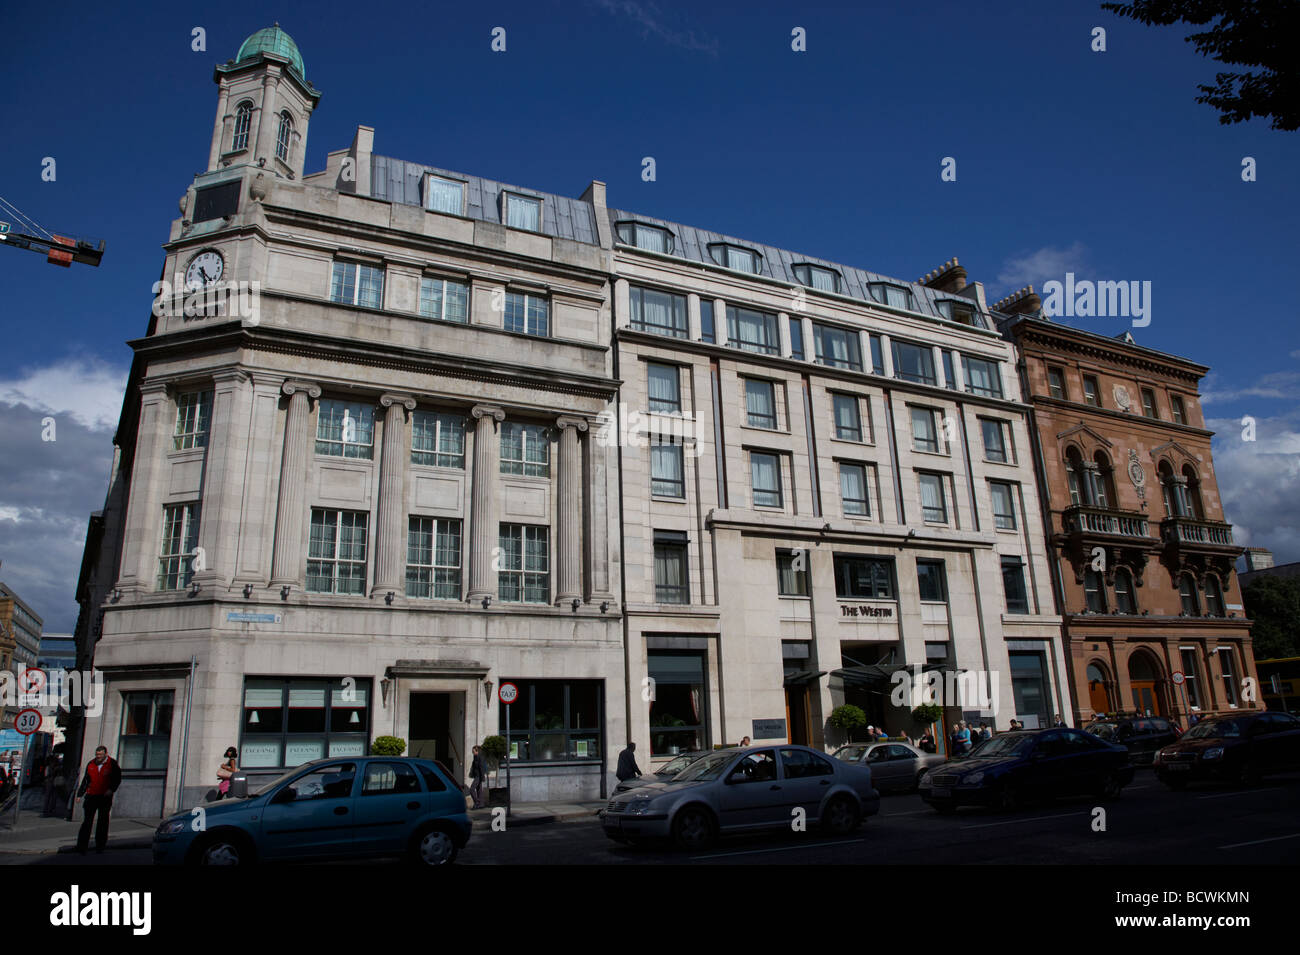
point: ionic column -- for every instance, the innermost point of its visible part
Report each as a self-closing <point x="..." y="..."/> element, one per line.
<point x="223" y="476"/>
<point x="267" y="128"/>
<point x="569" y="525"/>
<point x="390" y="535"/>
<point x="482" y="577"/>
<point x="144" y="506"/>
<point x="287" y="561"/>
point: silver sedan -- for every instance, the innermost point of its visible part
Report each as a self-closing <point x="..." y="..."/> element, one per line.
<point x="895" y="767"/>
<point x="743" y="790"/>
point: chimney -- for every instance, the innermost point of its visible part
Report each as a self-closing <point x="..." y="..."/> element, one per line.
<point x="595" y="196"/>
<point x="1023" y="302"/>
<point x="356" y="177"/>
<point x="1258" y="558"/>
<point x="949" y="277"/>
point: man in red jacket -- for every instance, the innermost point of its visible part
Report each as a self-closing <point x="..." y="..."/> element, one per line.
<point x="102" y="778"/>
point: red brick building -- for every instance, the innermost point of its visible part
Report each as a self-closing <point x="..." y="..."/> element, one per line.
<point x="1142" y="556"/>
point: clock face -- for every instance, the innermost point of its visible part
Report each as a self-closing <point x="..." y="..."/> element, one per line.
<point x="205" y="269"/>
<point x="1122" y="399"/>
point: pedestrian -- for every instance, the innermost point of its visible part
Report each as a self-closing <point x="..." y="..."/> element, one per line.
<point x="227" y="769"/>
<point x="1058" y="722"/>
<point x="53" y="783"/>
<point x="926" y="743"/>
<point x="963" y="737"/>
<point x="744" y="741"/>
<point x="986" y="731"/>
<point x="627" y="767"/>
<point x="102" y="778"/>
<point x="476" y="773"/>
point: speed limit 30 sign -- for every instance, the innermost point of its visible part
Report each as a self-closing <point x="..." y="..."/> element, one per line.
<point x="27" y="721"/>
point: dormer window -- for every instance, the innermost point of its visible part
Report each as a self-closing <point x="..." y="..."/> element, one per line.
<point x="895" y="296"/>
<point x="817" y="277"/>
<point x="523" y="212"/>
<point x="963" y="313"/>
<point x="648" y="237"/>
<point x="444" y="195"/>
<point x="243" y="119"/>
<point x="736" y="257"/>
<point x="282" y="139"/>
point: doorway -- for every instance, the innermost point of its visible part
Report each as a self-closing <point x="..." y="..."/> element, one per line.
<point x="1143" y="677"/>
<point x="797" y="714"/>
<point x="436" y="729"/>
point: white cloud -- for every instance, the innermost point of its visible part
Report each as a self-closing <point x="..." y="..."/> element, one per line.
<point x="1275" y="384"/>
<point x="87" y="390"/>
<point x="1035" y="268"/>
<point x="1259" y="482"/>
<point x="651" y="21"/>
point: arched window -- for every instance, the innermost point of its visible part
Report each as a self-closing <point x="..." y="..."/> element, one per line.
<point x="1094" y="591"/>
<point x="1080" y="486"/>
<point x="1098" y="691"/>
<point x="1213" y="596"/>
<point x="1192" y="494"/>
<point x="243" y="119"/>
<point x="1124" y="602"/>
<point x="285" y="134"/>
<point x="1187" y="593"/>
<point x="1104" y="478"/>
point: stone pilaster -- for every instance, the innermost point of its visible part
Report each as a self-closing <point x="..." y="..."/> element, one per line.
<point x="390" y="535"/>
<point x="569" y="523"/>
<point x="483" y="514"/>
<point x="287" y="560"/>
<point x="595" y="514"/>
<point x="143" y="532"/>
<point x="223" y="476"/>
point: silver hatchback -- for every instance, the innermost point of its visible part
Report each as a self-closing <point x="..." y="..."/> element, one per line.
<point x="895" y="767"/>
<point x="743" y="790"/>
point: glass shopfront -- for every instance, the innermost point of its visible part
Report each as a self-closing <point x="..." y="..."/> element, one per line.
<point x="288" y="722"/>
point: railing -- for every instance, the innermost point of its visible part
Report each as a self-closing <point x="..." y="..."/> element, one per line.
<point x="1101" y="520"/>
<point x="1190" y="531"/>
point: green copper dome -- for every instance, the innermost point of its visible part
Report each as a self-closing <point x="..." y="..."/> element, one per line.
<point x="275" y="41"/>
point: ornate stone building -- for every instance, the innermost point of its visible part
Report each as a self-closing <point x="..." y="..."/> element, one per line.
<point x="360" y="491"/>
<point x="1143" y="557"/>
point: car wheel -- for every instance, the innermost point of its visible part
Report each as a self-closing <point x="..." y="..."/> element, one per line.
<point x="842" y="816"/>
<point x="693" y="828"/>
<point x="434" y="847"/>
<point x="222" y="849"/>
<point x="916" y="783"/>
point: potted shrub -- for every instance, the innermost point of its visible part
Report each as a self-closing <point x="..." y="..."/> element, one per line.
<point x="846" y="718"/>
<point x="388" y="746"/>
<point x="495" y="750"/>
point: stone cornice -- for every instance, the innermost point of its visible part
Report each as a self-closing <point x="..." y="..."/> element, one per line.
<point x="1061" y="338"/>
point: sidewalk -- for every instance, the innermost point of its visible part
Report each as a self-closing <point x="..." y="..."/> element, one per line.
<point x="539" y="813"/>
<point x="36" y="834"/>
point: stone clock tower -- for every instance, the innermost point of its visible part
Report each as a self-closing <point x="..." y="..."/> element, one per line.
<point x="264" y="106"/>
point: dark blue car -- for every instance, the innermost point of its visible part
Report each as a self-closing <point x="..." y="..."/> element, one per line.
<point x="327" y="809"/>
<point x="1027" y="766"/>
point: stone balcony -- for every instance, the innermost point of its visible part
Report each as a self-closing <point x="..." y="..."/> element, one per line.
<point x="1086" y="522"/>
<point x="1189" y="534"/>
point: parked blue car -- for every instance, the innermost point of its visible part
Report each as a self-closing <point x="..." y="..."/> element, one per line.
<point x="327" y="809"/>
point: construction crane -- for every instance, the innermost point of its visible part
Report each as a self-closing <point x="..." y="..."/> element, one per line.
<point x="58" y="249"/>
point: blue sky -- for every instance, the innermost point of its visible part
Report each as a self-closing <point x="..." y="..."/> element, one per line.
<point x="1067" y="159"/>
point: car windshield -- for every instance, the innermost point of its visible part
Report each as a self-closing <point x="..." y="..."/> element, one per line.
<point x="1008" y="745"/>
<point x="1104" y="730"/>
<point x="675" y="766"/>
<point x="706" y="769"/>
<point x="850" y="754"/>
<point x="262" y="790"/>
<point x="1213" y="729"/>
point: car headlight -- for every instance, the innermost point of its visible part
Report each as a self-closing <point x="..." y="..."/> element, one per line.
<point x="1214" y="752"/>
<point x="927" y="779"/>
<point x="638" y="807"/>
<point x="171" y="827"/>
<point x="972" y="779"/>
